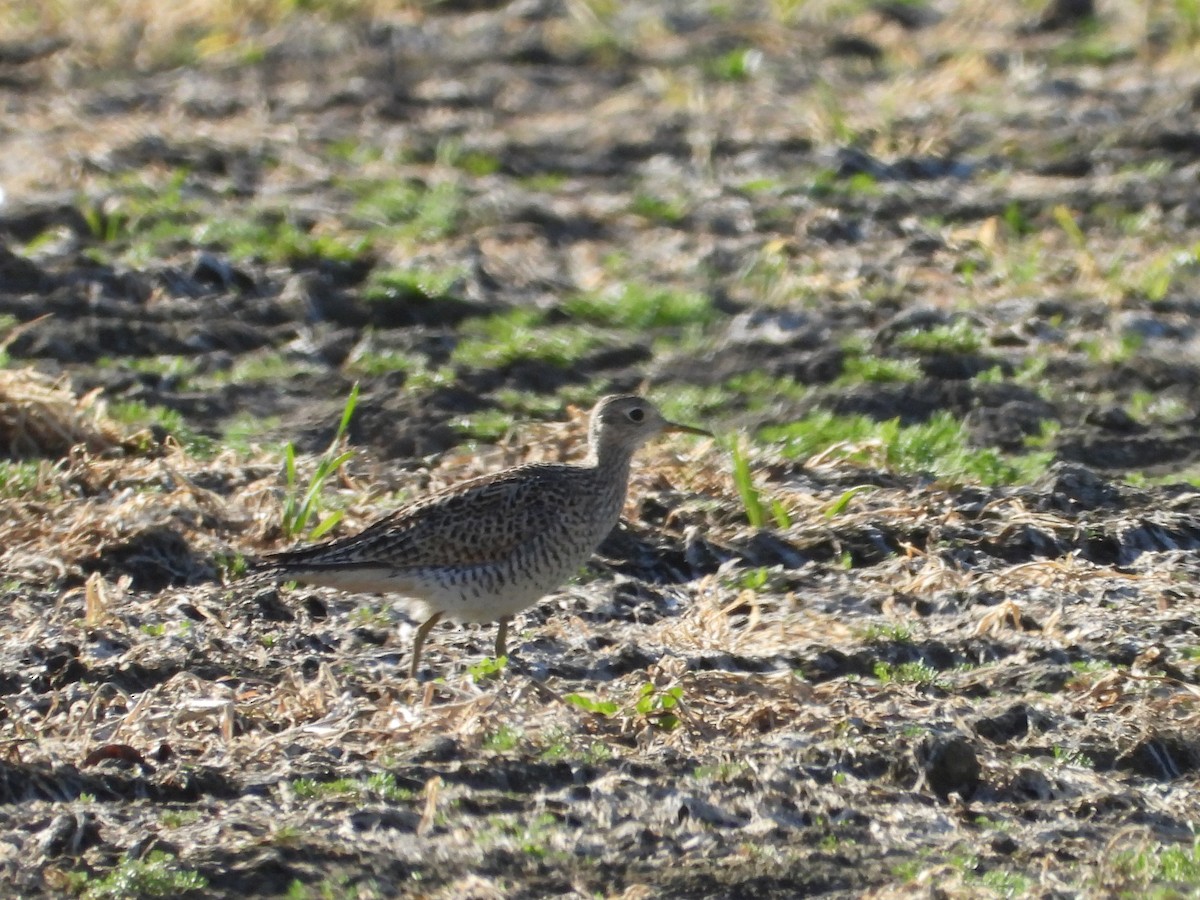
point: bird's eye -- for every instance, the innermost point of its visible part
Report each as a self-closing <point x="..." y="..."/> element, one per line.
<point x="637" y="414"/>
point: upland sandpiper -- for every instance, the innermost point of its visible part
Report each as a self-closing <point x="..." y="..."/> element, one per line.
<point x="484" y="550"/>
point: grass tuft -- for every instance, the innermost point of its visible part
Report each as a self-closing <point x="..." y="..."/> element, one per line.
<point x="939" y="448"/>
<point x="154" y="876"/>
<point x="639" y="306"/>
<point x="302" y="505"/>
<point x="521" y="334"/>
<point x="168" y="421"/>
<point x="959" y="337"/>
<point x="748" y="491"/>
<point x="919" y="673"/>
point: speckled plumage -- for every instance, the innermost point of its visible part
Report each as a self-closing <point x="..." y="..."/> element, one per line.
<point x="486" y="549"/>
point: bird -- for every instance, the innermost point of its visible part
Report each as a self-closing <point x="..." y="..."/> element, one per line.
<point x="487" y="548"/>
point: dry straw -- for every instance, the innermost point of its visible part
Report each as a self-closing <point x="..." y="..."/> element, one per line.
<point x="43" y="417"/>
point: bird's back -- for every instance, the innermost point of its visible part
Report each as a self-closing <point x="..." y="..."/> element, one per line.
<point x="481" y="522"/>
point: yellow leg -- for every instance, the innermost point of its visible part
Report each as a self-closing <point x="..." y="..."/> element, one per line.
<point x="422" y="633"/>
<point x="502" y="637"/>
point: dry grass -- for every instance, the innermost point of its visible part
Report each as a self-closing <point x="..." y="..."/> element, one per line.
<point x="41" y="417"/>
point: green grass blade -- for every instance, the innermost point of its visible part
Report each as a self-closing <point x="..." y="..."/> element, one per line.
<point x="325" y="525"/>
<point x="779" y="512"/>
<point x="289" y="464"/>
<point x="300" y="508"/>
<point x="347" y="412"/>
<point x="840" y="505"/>
<point x="744" y="481"/>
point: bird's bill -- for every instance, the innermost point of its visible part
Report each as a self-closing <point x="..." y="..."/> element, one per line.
<point x="686" y="429"/>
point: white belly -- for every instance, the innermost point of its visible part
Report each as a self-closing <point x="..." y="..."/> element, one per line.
<point x="482" y="593"/>
<point x="486" y="593"/>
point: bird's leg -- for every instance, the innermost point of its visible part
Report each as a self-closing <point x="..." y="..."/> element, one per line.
<point x="502" y="637"/>
<point x="422" y="633"/>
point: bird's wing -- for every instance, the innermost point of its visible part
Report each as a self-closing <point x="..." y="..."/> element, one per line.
<point x="474" y="523"/>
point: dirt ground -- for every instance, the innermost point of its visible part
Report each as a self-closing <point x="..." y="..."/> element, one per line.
<point x="904" y="683"/>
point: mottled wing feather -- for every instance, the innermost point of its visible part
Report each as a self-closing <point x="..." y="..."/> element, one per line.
<point x="474" y="523"/>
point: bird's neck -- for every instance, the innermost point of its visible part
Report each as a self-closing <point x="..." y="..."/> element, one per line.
<point x="611" y="463"/>
<point x="611" y="480"/>
<point x="609" y="457"/>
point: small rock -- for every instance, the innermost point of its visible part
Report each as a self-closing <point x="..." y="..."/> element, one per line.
<point x="950" y="765"/>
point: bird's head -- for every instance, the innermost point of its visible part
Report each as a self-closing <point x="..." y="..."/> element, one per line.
<point x="623" y="422"/>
